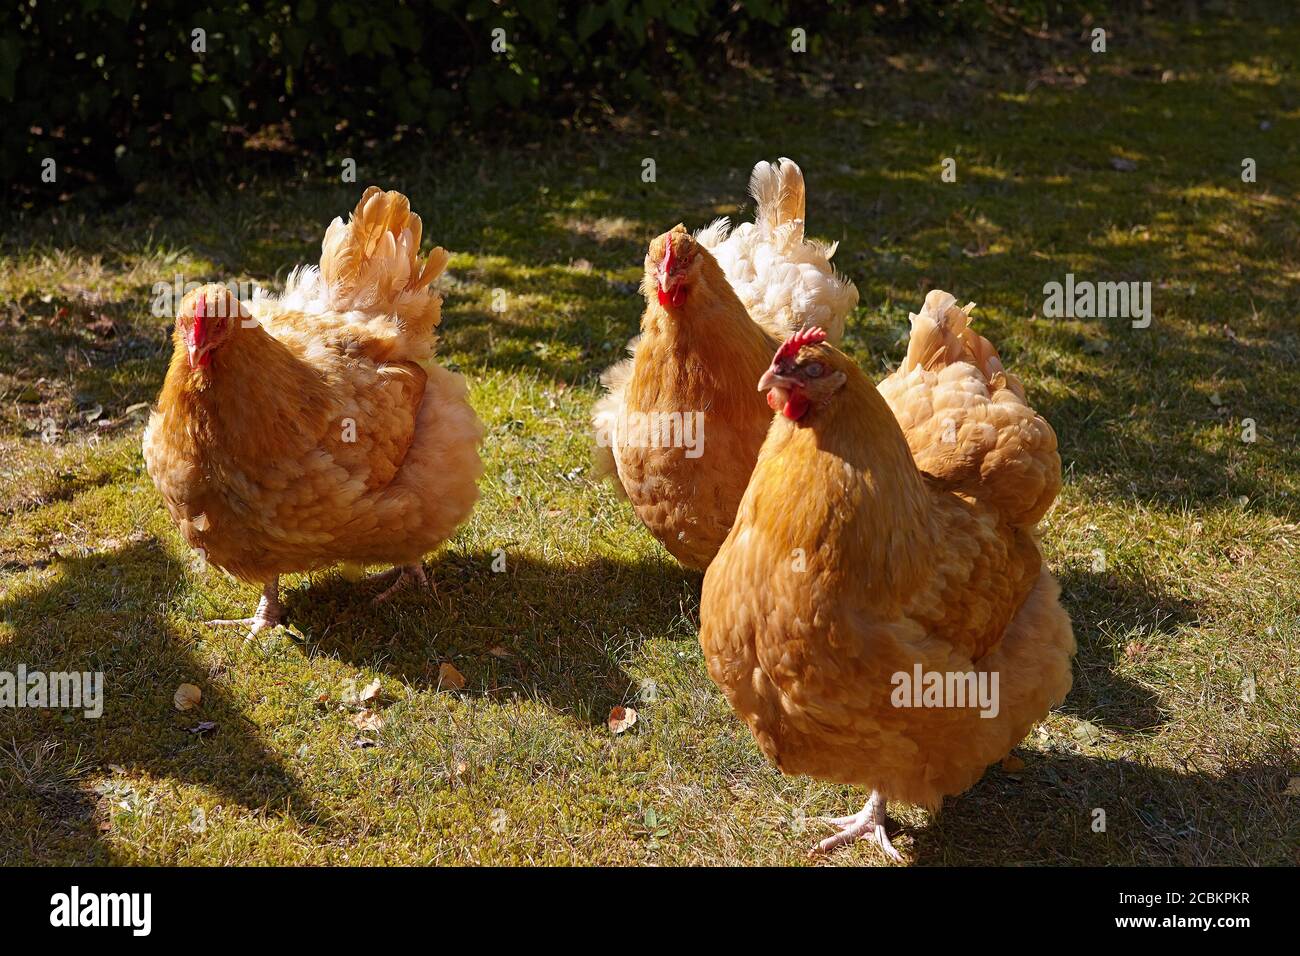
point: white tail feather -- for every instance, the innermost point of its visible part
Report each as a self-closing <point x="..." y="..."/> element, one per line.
<point x="778" y="191"/>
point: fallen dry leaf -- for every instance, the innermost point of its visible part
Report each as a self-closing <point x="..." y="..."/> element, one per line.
<point x="187" y="697"/>
<point x="1012" y="764"/>
<point x="449" y="677"/>
<point x="369" y="692"/>
<point x="368" y="720"/>
<point x="621" y="718"/>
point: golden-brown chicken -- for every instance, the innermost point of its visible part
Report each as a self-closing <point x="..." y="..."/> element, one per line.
<point x="676" y="429"/>
<point x="879" y="626"/>
<point x="682" y="424"/>
<point x="298" y="432"/>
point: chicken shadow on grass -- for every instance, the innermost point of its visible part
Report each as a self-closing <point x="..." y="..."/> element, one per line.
<point x="1046" y="812"/>
<point x="1106" y="607"/>
<point x="558" y="633"/>
<point x="102" y="612"/>
<point x="1051" y="811"/>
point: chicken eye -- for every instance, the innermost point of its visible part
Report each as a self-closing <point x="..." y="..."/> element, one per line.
<point x="813" y="369"/>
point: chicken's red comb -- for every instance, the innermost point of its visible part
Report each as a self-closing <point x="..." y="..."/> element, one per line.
<point x="806" y="336"/>
<point x="200" y="317"/>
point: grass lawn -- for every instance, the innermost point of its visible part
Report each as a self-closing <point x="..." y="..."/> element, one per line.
<point x="1177" y="543"/>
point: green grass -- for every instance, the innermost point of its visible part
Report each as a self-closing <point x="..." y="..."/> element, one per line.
<point x="1198" y="529"/>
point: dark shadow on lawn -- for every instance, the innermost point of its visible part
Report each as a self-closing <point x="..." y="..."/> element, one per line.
<point x="104" y="612"/>
<point x="557" y="633"/>
<point x="1100" y="604"/>
<point x="1044" y="815"/>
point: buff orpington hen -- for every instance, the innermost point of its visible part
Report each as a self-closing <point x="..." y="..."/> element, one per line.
<point x="874" y="623"/>
<point x="680" y="427"/>
<point x="315" y="428"/>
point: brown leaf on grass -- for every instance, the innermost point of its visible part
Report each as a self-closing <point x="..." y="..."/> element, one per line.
<point x="368" y="720"/>
<point x="449" y="677"/>
<point x="187" y="697"/>
<point x="1134" y="649"/>
<point x="1012" y="764"/>
<point x="621" y="718"/>
<point x="353" y="697"/>
<point x="370" y="692"/>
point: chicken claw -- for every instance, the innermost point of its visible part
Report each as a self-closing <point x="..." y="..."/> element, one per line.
<point x="269" y="612"/>
<point x="405" y="573"/>
<point x="867" y="824"/>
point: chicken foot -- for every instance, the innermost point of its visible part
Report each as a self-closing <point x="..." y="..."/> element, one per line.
<point x="867" y="824"/>
<point x="269" y="611"/>
<point x="405" y="573"/>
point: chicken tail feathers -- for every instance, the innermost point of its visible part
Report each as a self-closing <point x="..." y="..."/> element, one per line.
<point x="372" y="262"/>
<point x="966" y="418"/>
<point x="942" y="336"/>
<point x="778" y="190"/>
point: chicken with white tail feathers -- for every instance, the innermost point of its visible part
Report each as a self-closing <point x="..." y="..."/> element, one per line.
<point x="785" y="280"/>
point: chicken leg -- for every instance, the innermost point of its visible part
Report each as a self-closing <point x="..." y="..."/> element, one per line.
<point x="867" y="824"/>
<point x="405" y="574"/>
<point x="269" y="611"/>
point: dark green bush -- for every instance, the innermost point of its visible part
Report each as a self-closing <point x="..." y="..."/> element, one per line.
<point x="112" y="89"/>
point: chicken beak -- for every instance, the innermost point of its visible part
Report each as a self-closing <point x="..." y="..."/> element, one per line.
<point x="774" y="379"/>
<point x="671" y="291"/>
<point x="199" y="356"/>
<point x="665" y="269"/>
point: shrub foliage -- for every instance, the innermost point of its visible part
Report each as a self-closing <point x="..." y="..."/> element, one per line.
<point x="113" y="89"/>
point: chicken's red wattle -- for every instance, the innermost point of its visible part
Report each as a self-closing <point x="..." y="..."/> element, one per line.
<point x="796" y="406"/>
<point x="674" y="298"/>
